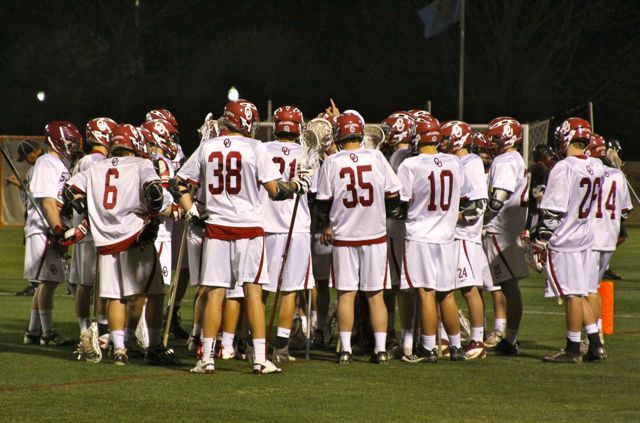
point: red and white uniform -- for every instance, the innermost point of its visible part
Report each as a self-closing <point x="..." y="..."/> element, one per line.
<point x="357" y="181"/>
<point x="165" y="169"/>
<point x="395" y="227"/>
<point x="83" y="258"/>
<point x="297" y="274"/>
<point x="47" y="181"/>
<point x="573" y="188"/>
<point x="502" y="243"/>
<point x="320" y="254"/>
<point x="473" y="268"/>
<point x="115" y="203"/>
<point x="432" y="184"/>
<point x="230" y="169"/>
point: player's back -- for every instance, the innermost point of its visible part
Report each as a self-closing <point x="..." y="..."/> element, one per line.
<point x="81" y="165"/>
<point x="613" y="201"/>
<point x="47" y="180"/>
<point x="395" y="227"/>
<point x="475" y="188"/>
<point x="508" y="172"/>
<point x="572" y="189"/>
<point x="165" y="170"/>
<point x="357" y="181"/>
<point x="431" y="183"/>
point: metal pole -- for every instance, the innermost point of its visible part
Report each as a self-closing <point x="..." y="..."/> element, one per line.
<point x="270" y="119"/>
<point x="590" y="104"/>
<point x="429" y="106"/>
<point x="461" y="70"/>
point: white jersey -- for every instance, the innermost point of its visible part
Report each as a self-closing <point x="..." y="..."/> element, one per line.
<point x="164" y="168"/>
<point x="47" y="181"/>
<point x="572" y="189"/>
<point x="357" y="181"/>
<point x="81" y="165"/>
<point x="395" y="227"/>
<point x="613" y="200"/>
<point x="432" y="184"/>
<point x="177" y="161"/>
<point x="475" y="189"/>
<point x="277" y="214"/>
<point x="231" y="169"/>
<point x="508" y="172"/>
<point x="115" y="199"/>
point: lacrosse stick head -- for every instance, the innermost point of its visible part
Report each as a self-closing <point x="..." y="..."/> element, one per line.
<point x="374" y="136"/>
<point x="311" y="148"/>
<point x="210" y="128"/>
<point x="323" y="129"/>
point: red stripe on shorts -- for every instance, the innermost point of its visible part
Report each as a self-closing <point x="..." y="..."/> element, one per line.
<point x="333" y="277"/>
<point x="306" y="277"/>
<point x="464" y="247"/>
<point x="394" y="259"/>
<point x="495" y="242"/>
<point x="386" y="270"/>
<point x="261" y="262"/>
<point x="553" y="274"/>
<point x="406" y="268"/>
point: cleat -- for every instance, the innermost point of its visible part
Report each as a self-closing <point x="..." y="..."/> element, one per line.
<point x="32" y="338"/>
<point x="193" y="342"/>
<point x="265" y="367"/>
<point x="381" y="357"/>
<point x="54" y="339"/>
<point x="473" y="350"/>
<point x="505" y="348"/>
<point x="595" y="354"/>
<point x="27" y="292"/>
<point x="398" y="352"/>
<point x="204" y="366"/>
<point x="584" y="346"/>
<point x="134" y="349"/>
<point x="225" y="354"/>
<point x="318" y="339"/>
<point x="120" y="357"/>
<point x="456" y="354"/>
<point x="422" y="355"/>
<point x="344" y="357"/>
<point x="610" y="274"/>
<point x="563" y="357"/>
<point x="161" y="356"/>
<point x="493" y="338"/>
<point x="90" y="344"/>
<point x="281" y="355"/>
<point x="443" y="351"/>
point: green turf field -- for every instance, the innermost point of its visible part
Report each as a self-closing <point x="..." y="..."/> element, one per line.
<point x="38" y="383"/>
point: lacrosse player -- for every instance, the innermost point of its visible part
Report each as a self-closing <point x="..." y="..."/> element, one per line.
<point x="505" y="220"/>
<point x="116" y="194"/>
<point x="354" y="187"/>
<point x="232" y="168"/>
<point x="566" y="233"/>
<point x="473" y="269"/>
<point x="43" y="251"/>
<point x="539" y="174"/>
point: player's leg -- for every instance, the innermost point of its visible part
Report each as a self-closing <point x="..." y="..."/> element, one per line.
<point x="199" y="304"/>
<point x="451" y="323"/>
<point x="406" y="308"/>
<point x="34" y="331"/>
<point x="345" y="311"/>
<point x="285" y="323"/>
<point x="210" y="325"/>
<point x="475" y="347"/>
<point x="378" y="315"/>
<point x="321" y="264"/>
<point x="176" y="319"/>
<point x="231" y="313"/>
<point x="499" y="304"/>
<point x="116" y="315"/>
<point x="429" y="323"/>
<point x="83" y="306"/>
<point x="134" y="310"/>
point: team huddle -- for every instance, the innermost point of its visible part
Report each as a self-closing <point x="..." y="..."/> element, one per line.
<point x="407" y="213"/>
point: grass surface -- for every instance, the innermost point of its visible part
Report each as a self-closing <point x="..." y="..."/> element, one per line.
<point x="44" y="384"/>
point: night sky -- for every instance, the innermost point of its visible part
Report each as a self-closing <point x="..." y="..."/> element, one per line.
<point x="530" y="60"/>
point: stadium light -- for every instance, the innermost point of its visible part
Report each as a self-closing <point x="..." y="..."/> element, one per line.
<point x="40" y="95"/>
<point x="233" y="94"/>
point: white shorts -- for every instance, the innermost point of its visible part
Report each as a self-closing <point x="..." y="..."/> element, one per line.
<point x="505" y="254"/>
<point x="83" y="264"/>
<point x="428" y="265"/>
<point x="237" y="292"/>
<point x="194" y="248"/>
<point x="360" y="268"/>
<point x="320" y="259"/>
<point x="53" y="266"/>
<point x="297" y="273"/>
<point x="176" y="239"/>
<point x="226" y="264"/>
<point x="473" y="268"/>
<point x="164" y="254"/>
<point x="130" y="272"/>
<point x="395" y="252"/>
<point x="570" y="272"/>
<point x="600" y="261"/>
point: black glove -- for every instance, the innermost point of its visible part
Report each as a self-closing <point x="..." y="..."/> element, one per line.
<point x="196" y="216"/>
<point x="149" y="233"/>
<point x="55" y="237"/>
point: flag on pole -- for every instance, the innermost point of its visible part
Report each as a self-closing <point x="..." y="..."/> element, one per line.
<point x="439" y="15"/>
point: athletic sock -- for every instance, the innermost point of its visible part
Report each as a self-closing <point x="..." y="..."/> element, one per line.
<point x="500" y="325"/>
<point x="260" y="349"/>
<point x="594" y="341"/>
<point x="102" y="319"/>
<point x="282" y="338"/>
<point x="117" y="337"/>
<point x="227" y="340"/>
<point x="381" y="340"/>
<point x="303" y="323"/>
<point x="83" y="322"/>
<point x="428" y="342"/>
<point x="34" y="321"/>
<point x="443" y="333"/>
<point x="345" y="341"/>
<point x="314" y="318"/>
<point x="573" y="342"/>
<point x="197" y="330"/>
<point x="600" y="325"/>
<point x="46" y="320"/>
<point x="512" y="336"/>
<point x="591" y="328"/>
<point x="155" y="337"/>
<point x="407" y="339"/>
<point x="207" y="347"/>
<point x="477" y="334"/>
<point x="454" y="340"/>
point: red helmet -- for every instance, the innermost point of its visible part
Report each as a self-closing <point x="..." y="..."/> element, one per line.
<point x="128" y="137"/>
<point x="572" y="130"/>
<point x="455" y="136"/>
<point x="326" y="116"/>
<point x="243" y="116"/>
<point x="504" y="132"/>
<point x="597" y="146"/>
<point x="162" y="114"/>
<point x="480" y="143"/>
<point x="99" y="130"/>
<point x="288" y="120"/>
<point x="427" y="132"/>
<point x="348" y="126"/>
<point x="146" y="136"/>
<point x="164" y="135"/>
<point x="417" y="113"/>
<point x="64" y="138"/>
<point x="401" y="128"/>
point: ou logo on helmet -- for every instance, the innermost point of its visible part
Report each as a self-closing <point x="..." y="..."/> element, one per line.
<point x="102" y="125"/>
<point x="507" y="131"/>
<point x="399" y="125"/>
<point x="456" y="131"/>
<point x="248" y="113"/>
<point x="159" y="128"/>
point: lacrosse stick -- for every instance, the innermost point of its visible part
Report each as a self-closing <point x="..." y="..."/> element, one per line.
<point x="374" y="136"/>
<point x="533" y="255"/>
<point x="318" y="136"/>
<point x="308" y="334"/>
<point x="90" y="344"/>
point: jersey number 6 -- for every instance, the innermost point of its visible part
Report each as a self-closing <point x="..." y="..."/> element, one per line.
<point x="109" y="201"/>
